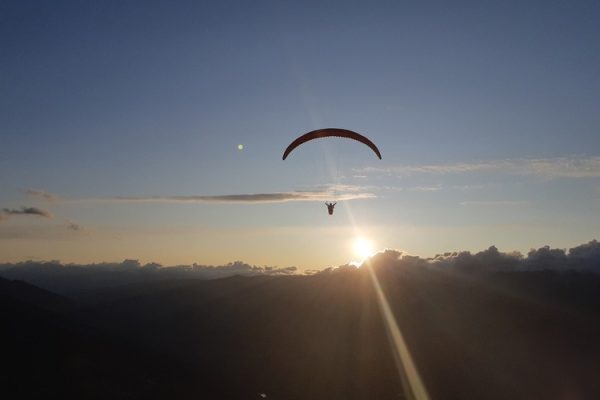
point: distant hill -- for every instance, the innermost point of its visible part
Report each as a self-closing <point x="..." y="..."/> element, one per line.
<point x="494" y="335"/>
<point x="47" y="353"/>
<point x="497" y="336"/>
<point x="35" y="296"/>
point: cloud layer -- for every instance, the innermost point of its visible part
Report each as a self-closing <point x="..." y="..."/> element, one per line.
<point x="322" y="193"/>
<point x="42" y="194"/>
<point x="585" y="257"/>
<point x="78" y="278"/>
<point x="75" y="279"/>
<point x="277" y="197"/>
<point x="10" y="212"/>
<point x="494" y="203"/>
<point x="559" y="167"/>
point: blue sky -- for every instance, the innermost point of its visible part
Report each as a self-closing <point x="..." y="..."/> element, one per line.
<point x="485" y="113"/>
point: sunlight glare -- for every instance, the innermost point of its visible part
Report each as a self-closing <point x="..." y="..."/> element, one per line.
<point x="413" y="386"/>
<point x="363" y="247"/>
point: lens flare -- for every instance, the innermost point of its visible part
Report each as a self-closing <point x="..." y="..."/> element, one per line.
<point x="413" y="386"/>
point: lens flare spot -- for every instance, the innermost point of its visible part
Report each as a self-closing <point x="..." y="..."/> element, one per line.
<point x="240" y="147"/>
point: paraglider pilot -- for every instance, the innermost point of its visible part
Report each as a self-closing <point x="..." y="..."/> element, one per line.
<point x="330" y="207"/>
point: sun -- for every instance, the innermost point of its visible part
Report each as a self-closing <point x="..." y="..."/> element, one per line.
<point x="362" y="247"/>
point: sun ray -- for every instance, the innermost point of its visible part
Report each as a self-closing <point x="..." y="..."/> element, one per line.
<point x="413" y="386"/>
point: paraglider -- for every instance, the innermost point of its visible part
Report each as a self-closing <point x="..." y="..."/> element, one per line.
<point x="331" y="132"/>
<point x="330" y="207"/>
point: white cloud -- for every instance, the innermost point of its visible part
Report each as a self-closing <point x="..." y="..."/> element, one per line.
<point x="559" y="167"/>
<point x="42" y="194"/>
<point x="494" y="203"/>
<point x="566" y="167"/>
<point x="431" y="188"/>
<point x="321" y="193"/>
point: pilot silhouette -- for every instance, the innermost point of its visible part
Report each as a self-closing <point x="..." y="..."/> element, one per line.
<point x="330" y="207"/>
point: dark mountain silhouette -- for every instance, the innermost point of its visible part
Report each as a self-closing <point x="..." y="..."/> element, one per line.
<point x="47" y="352"/>
<point x="483" y="335"/>
<point x="35" y="296"/>
<point x="289" y="337"/>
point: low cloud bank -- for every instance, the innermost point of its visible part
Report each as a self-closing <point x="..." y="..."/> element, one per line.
<point x="75" y="279"/>
<point x="582" y="258"/>
<point x="5" y="213"/>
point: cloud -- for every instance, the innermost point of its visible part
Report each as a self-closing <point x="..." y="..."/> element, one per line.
<point x="42" y="194"/>
<point x="490" y="259"/>
<point x="74" y="226"/>
<point x="320" y="193"/>
<point x="493" y="203"/>
<point x="471" y="188"/>
<point x="69" y="279"/>
<point x="78" y="278"/>
<point x="549" y="168"/>
<point x="340" y="187"/>
<point x="583" y="258"/>
<point x="8" y="212"/>
<point x="434" y="188"/>
<point x="433" y="169"/>
<point x="47" y="232"/>
<point x="566" y="167"/>
<point x="277" y="197"/>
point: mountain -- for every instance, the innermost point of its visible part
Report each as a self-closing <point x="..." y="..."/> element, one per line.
<point x="471" y="335"/>
<point x="497" y="336"/>
<point x="35" y="296"/>
<point x="47" y="352"/>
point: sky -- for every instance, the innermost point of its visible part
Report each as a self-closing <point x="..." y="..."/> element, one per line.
<point x="121" y="121"/>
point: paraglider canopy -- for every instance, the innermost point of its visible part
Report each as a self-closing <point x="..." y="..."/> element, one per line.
<point x="331" y="132"/>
